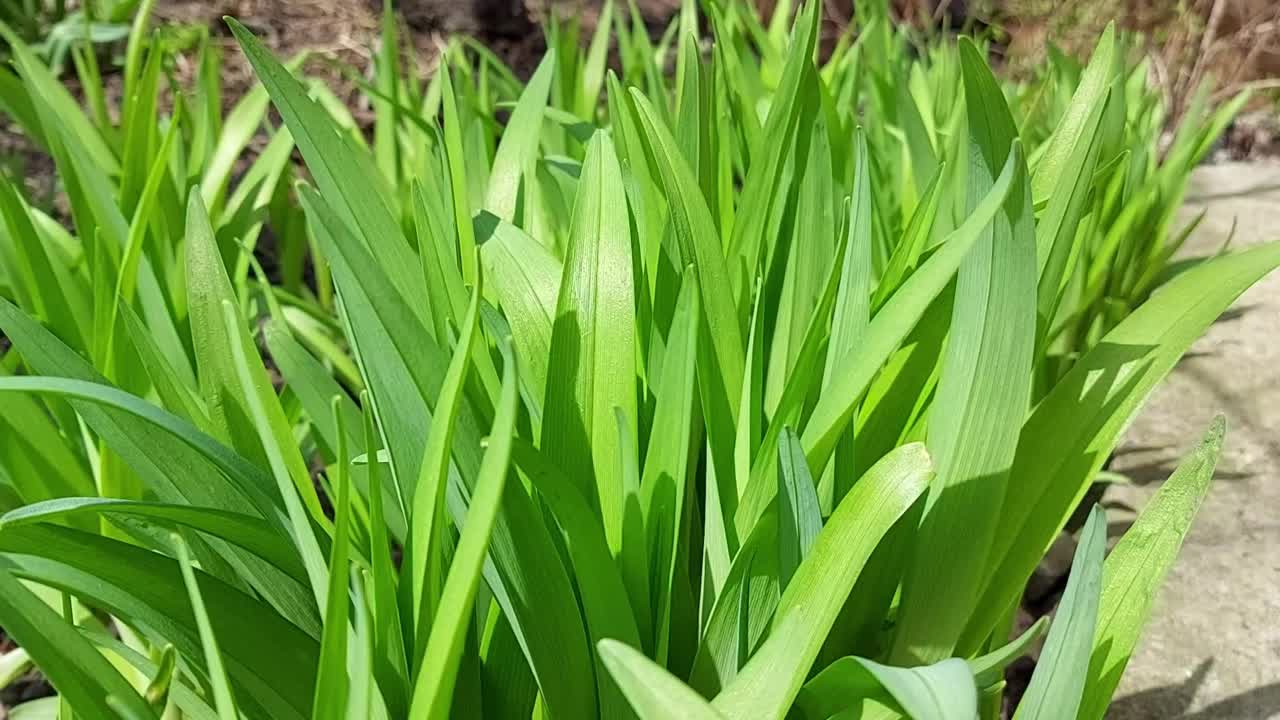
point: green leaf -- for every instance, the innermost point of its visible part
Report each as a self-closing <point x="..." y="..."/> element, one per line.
<point x="332" y="684"/>
<point x="16" y="103"/>
<point x="41" y="463"/>
<point x="743" y="610"/>
<point x="988" y="670"/>
<point x="246" y="478"/>
<point x="246" y="531"/>
<point x="605" y="601"/>
<point x="390" y="662"/>
<point x="175" y="460"/>
<point x="393" y="349"/>
<point x="208" y="639"/>
<point x="75" y="668"/>
<point x="139" y="126"/>
<point x="386" y="144"/>
<point x="721" y="360"/>
<point x="984" y="390"/>
<point x="1075" y="126"/>
<point x="433" y="688"/>
<point x="104" y="232"/>
<point x="942" y="691"/>
<point x="145" y="589"/>
<point x="145" y="213"/>
<point x="666" y="476"/>
<point x="1136" y="567"/>
<point x="525" y="276"/>
<point x="850" y="378"/>
<point x="315" y="388"/>
<point x="446" y="295"/>
<point x="1075" y="427"/>
<point x="346" y="179"/>
<point x="1057" y="248"/>
<point x="1059" y="679"/>
<point x="178" y="395"/>
<point x="594" y="64"/>
<point x="50" y="290"/>
<point x="593" y="343"/>
<point x="228" y="387"/>
<point x="455" y="160"/>
<point x="187" y="699"/>
<point x="40" y="81"/>
<point x="396" y="352"/>
<point x="427" y="521"/>
<point x="519" y="146"/>
<point x="654" y="693"/>
<point x="158" y="689"/>
<point x="763" y="186"/>
<point x="769" y="682"/>
<point x="238" y="129"/>
<point x="852" y="313"/>
<point x="906" y="256"/>
<point x="799" y="518"/>
<point x="267" y="417"/>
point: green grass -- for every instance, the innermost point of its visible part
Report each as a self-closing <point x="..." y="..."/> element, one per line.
<point x="753" y="390"/>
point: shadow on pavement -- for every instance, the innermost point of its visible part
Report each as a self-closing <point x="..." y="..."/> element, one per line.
<point x="1173" y="702"/>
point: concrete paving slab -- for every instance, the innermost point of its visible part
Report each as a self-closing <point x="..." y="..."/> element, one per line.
<point x="1212" y="648"/>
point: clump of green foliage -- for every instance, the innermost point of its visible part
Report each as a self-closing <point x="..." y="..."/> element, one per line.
<point x="753" y="391"/>
<point x="57" y="30"/>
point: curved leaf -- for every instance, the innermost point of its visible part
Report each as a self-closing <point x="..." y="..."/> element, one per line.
<point x="654" y="693"/>
<point x="770" y="680"/>
<point x="246" y="531"/>
<point x="145" y="589"/>
<point x="75" y="668"/>
<point x="988" y="669"/>
<point x="1074" y="428"/>
<point x="942" y="691"/>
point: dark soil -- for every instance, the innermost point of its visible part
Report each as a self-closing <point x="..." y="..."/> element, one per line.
<point x="30" y="686"/>
<point x="1253" y="135"/>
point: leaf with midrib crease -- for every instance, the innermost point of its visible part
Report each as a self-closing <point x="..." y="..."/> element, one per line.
<point x="984" y="389"/>
<point x="593" y="340"/>
<point x="1073" y="429"/>
<point x="851" y="376"/>
<point x="768" y="683"/>
<point x="1059" y="678"/>
<point x="1137" y="566"/>
<point x="225" y="390"/>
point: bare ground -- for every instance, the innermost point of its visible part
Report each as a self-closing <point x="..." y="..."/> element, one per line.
<point x="1212" y="649"/>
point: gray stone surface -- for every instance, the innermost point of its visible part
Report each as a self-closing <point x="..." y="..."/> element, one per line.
<point x="1212" y="648"/>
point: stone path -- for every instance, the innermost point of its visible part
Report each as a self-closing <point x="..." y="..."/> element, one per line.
<point x="1212" y="648"/>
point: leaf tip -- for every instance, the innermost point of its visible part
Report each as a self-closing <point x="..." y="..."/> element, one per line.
<point x="1217" y="432"/>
